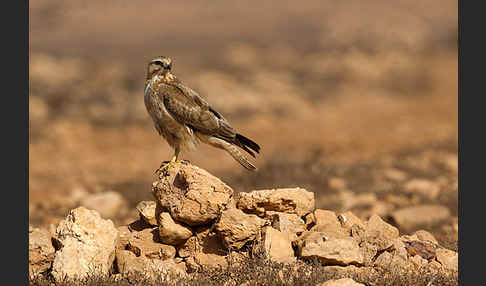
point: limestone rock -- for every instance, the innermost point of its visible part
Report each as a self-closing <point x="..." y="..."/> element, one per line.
<point x="171" y="232"/>
<point x="275" y="245"/>
<point x="340" y="282"/>
<point x="411" y="218"/>
<point x="289" y="200"/>
<point x="145" y="246"/>
<point x="426" y="236"/>
<point x="41" y="251"/>
<point x="328" y="223"/>
<point x="87" y="245"/>
<point x="425" y="188"/>
<point x="128" y="263"/>
<point x="380" y="233"/>
<point x="211" y="251"/>
<point x="237" y="228"/>
<point x="448" y="259"/>
<point x="124" y="235"/>
<point x="109" y="204"/>
<point x="289" y="224"/>
<point x="348" y="219"/>
<point x="146" y="209"/>
<point x="341" y="251"/>
<point x="191" y="195"/>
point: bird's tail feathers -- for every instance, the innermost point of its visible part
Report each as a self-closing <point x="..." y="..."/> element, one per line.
<point x="246" y="143"/>
<point x="233" y="151"/>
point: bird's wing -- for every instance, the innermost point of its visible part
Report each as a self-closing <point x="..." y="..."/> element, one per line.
<point x="187" y="107"/>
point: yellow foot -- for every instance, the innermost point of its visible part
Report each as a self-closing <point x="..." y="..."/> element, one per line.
<point x="167" y="164"/>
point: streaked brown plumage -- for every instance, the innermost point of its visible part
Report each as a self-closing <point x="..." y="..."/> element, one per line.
<point x="184" y="119"/>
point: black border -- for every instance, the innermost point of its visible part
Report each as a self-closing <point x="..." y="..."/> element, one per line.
<point x="15" y="139"/>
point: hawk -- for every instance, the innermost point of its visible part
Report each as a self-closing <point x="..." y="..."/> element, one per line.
<point x="185" y="119"/>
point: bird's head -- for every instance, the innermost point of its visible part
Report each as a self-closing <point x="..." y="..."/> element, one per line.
<point x="159" y="65"/>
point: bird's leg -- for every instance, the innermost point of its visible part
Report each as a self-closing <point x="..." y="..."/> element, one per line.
<point x="172" y="161"/>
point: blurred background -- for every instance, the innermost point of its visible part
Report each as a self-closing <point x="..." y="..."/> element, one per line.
<point x="353" y="100"/>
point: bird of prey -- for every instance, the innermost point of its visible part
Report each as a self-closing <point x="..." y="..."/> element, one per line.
<point x="185" y="119"/>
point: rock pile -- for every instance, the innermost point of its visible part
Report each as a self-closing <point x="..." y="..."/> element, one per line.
<point x="197" y="221"/>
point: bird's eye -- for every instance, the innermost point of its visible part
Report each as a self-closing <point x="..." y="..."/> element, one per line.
<point x="169" y="66"/>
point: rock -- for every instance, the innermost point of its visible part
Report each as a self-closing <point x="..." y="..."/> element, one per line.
<point x="425" y="236"/>
<point x="395" y="257"/>
<point x="340" y="282"/>
<point x="139" y="225"/>
<point x="337" y="183"/>
<point x="309" y="220"/>
<point x="171" y="232"/>
<point x="380" y="233"/>
<point x="291" y="200"/>
<point x="328" y="223"/>
<point x="275" y="246"/>
<point x="191" y="195"/>
<point x="124" y="235"/>
<point x="146" y="209"/>
<point x="87" y="245"/>
<point x="411" y="218"/>
<point x="448" y="259"/>
<point x="348" y="219"/>
<point x="145" y="246"/>
<point x="41" y="251"/>
<point x="205" y="249"/>
<point x="237" y="228"/>
<point x="128" y="263"/>
<point x="349" y="199"/>
<point x="188" y="248"/>
<point x="342" y="251"/>
<point x="425" y="188"/>
<point x="418" y="261"/>
<point x="108" y="204"/>
<point x="395" y="175"/>
<point x="289" y="224"/>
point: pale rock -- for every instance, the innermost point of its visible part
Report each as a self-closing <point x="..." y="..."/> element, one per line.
<point x="411" y="218"/>
<point x="210" y="249"/>
<point x="146" y="210"/>
<point x="348" y="219"/>
<point x="145" y="246"/>
<point x="341" y="251"/>
<point x="109" y="204"/>
<point x="87" y="245"/>
<point x="425" y="188"/>
<point x="290" y="224"/>
<point x="337" y="183"/>
<point x="128" y="263"/>
<point x="275" y="246"/>
<point x="328" y="223"/>
<point x="188" y="248"/>
<point x="448" y="259"/>
<point x="41" y="251"/>
<point x="237" y="228"/>
<point x="124" y="235"/>
<point x="380" y="233"/>
<point x="288" y="200"/>
<point x="340" y="282"/>
<point x="418" y="261"/>
<point x="171" y="232"/>
<point x="424" y="235"/>
<point x="395" y="175"/>
<point x="192" y="195"/>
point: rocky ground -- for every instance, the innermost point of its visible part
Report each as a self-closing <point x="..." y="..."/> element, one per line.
<point x="197" y="225"/>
